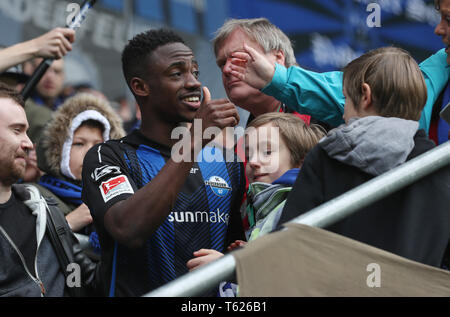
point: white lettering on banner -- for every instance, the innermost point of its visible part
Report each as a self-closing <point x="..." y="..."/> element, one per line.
<point x="42" y="15"/>
<point x="327" y="53"/>
<point x="106" y="30"/>
<point x="415" y="10"/>
<point x="19" y="10"/>
<point x="103" y="36"/>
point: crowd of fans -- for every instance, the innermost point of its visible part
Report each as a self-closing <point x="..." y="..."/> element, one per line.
<point x="72" y="163"/>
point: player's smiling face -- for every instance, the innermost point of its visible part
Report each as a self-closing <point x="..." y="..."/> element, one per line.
<point x="173" y="82"/>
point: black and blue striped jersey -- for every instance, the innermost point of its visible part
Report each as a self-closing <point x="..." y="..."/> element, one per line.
<point x="205" y="215"/>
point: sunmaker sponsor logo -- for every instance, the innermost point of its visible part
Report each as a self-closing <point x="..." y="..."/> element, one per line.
<point x="199" y="216"/>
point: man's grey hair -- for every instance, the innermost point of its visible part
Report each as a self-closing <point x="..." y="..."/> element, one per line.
<point x="261" y="30"/>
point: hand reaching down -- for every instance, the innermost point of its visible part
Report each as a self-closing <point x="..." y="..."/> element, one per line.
<point x="203" y="257"/>
<point x="236" y="245"/>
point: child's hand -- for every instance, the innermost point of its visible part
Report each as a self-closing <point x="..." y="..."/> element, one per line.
<point x="202" y="257"/>
<point x="236" y="244"/>
<point x="252" y="67"/>
<point x="79" y="218"/>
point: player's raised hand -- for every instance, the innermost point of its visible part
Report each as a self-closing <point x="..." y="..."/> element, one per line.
<point x="218" y="113"/>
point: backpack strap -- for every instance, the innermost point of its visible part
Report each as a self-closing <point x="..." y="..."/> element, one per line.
<point x="58" y="228"/>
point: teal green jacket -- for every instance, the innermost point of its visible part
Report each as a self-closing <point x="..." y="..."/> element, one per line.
<point x="320" y="94"/>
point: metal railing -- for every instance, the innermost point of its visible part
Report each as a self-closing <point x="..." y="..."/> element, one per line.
<point x="206" y="278"/>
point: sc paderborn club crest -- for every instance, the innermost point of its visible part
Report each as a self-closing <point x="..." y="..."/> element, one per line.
<point x="218" y="185"/>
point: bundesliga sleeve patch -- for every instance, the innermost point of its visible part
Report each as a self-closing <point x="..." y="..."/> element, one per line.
<point x="114" y="187"/>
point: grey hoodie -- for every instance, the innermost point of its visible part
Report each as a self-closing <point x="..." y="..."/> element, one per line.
<point x="372" y="144"/>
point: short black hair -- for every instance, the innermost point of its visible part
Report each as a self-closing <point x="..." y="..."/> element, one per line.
<point x="139" y="48"/>
<point x="10" y="93"/>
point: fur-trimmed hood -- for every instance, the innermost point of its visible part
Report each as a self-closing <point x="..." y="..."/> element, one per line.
<point x="59" y="129"/>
